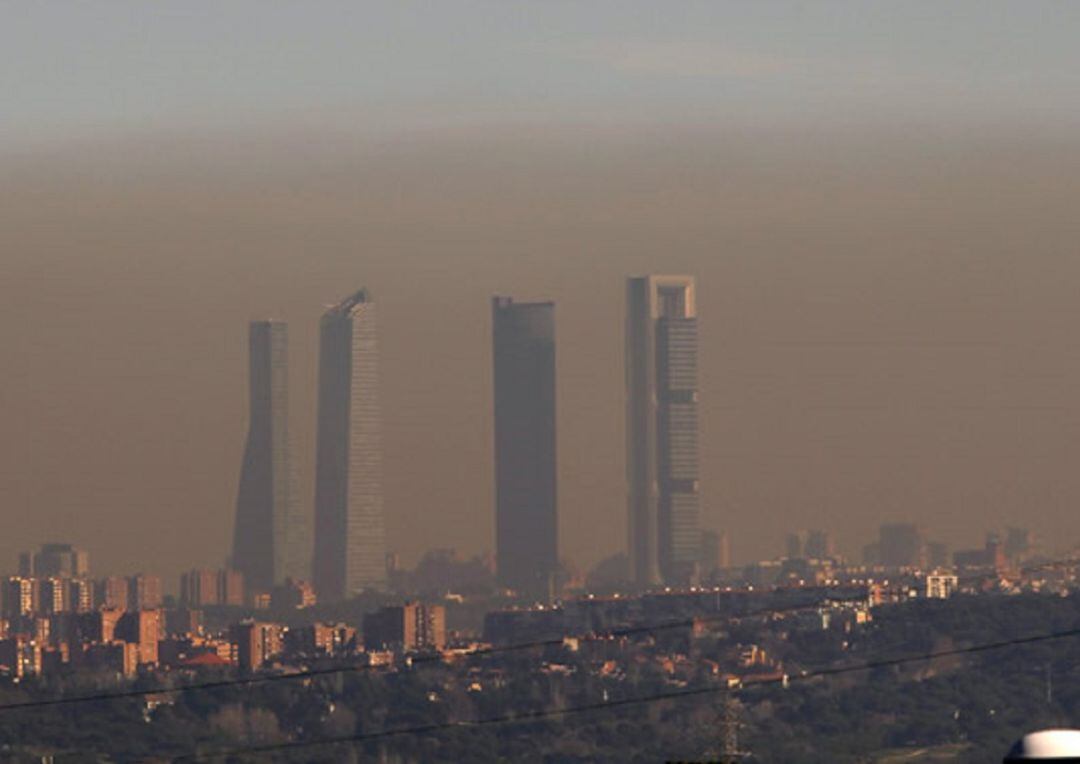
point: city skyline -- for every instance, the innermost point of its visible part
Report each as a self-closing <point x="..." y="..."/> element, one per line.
<point x="480" y="381"/>
<point x="255" y="378"/>
<point x="661" y="321"/>
<point x="833" y="403"/>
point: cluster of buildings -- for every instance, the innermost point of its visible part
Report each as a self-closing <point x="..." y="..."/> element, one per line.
<point x="901" y="550"/>
<point x="54" y="617"/>
<point x="905" y="545"/>
<point x="132" y="636"/>
<point x="56" y="579"/>
<point x="123" y="627"/>
<point x="388" y="633"/>
<point x="64" y="622"/>
<point x="341" y="546"/>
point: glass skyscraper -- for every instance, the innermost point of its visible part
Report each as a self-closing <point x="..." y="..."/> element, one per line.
<point x="350" y="544"/>
<point x="272" y="539"/>
<point x="662" y="430"/>
<point x="526" y="533"/>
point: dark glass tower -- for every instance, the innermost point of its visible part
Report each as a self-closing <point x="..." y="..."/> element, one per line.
<point x="272" y="540"/>
<point x="525" y="482"/>
<point x="662" y="430"/>
<point x="350" y="544"/>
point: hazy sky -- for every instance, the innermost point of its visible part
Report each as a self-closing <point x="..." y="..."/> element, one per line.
<point x="879" y="199"/>
<point x="72" y="70"/>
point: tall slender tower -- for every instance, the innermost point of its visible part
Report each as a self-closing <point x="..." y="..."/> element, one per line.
<point x="272" y="540"/>
<point x="662" y="429"/>
<point x="350" y="544"/>
<point x="525" y="480"/>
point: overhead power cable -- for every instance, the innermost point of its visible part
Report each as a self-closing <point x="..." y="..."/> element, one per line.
<point x="537" y="715"/>
<point x="422" y="659"/>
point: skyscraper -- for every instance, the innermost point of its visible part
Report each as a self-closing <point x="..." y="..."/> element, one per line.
<point x="55" y="559"/>
<point x="662" y="429"/>
<point x="350" y="546"/>
<point x="820" y="545"/>
<point x="901" y="545"/>
<point x="525" y="482"/>
<point x="272" y="540"/>
<point x="144" y="592"/>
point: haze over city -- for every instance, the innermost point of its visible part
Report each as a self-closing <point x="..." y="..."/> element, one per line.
<point x="524" y="381"/>
<point x="877" y="203"/>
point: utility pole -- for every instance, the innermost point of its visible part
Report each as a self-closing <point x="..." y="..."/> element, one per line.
<point x="730" y="722"/>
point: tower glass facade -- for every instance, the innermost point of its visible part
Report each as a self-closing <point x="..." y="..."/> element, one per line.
<point x="272" y="538"/>
<point x="662" y="430"/>
<point x="525" y="470"/>
<point x="350" y="545"/>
